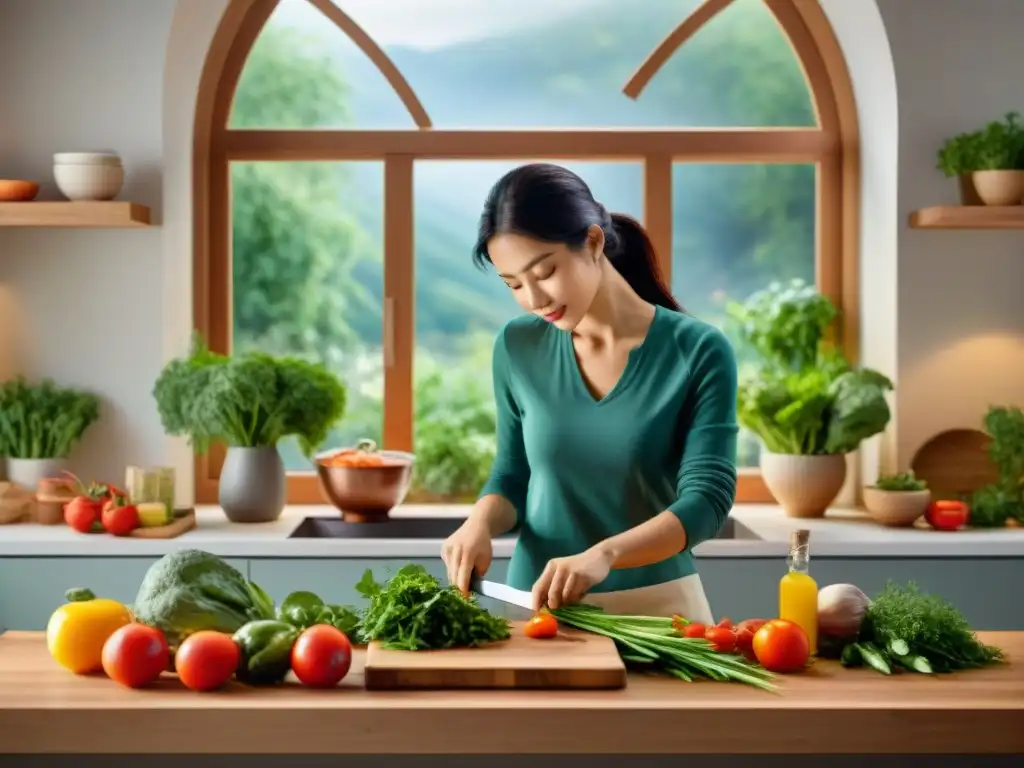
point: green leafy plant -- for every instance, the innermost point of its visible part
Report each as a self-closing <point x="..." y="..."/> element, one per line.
<point x="43" y="420"/>
<point x="998" y="146"/>
<point x="412" y="611"/>
<point x="994" y="504"/>
<point x="248" y="400"/>
<point x="802" y="396"/>
<point x="901" y="481"/>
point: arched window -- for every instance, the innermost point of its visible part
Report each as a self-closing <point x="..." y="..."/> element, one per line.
<point x="343" y="150"/>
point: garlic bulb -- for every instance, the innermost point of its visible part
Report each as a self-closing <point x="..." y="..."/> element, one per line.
<point x="841" y="609"/>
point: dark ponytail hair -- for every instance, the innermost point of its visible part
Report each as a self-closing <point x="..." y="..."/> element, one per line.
<point x="552" y="204"/>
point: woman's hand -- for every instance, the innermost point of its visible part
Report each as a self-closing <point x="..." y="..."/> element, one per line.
<point x="468" y="549"/>
<point x="567" y="579"/>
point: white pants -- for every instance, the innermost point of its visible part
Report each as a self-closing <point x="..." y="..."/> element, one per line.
<point x="682" y="597"/>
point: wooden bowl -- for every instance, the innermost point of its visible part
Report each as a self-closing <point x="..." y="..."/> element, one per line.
<point x="896" y="509"/>
<point x="18" y="191"/>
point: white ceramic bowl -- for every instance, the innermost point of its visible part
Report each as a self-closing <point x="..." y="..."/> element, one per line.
<point x="87" y="158"/>
<point x="100" y="177"/>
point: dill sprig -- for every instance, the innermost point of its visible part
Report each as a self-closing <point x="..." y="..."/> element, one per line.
<point x="929" y="625"/>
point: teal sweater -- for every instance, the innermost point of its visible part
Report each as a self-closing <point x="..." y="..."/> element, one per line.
<point x="579" y="470"/>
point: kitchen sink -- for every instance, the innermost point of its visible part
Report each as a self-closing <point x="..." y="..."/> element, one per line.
<point x="394" y="528"/>
<point x="433" y="528"/>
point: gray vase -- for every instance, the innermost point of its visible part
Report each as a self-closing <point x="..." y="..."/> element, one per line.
<point x="252" y="485"/>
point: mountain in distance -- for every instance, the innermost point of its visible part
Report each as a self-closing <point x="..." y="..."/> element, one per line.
<point x="525" y="78"/>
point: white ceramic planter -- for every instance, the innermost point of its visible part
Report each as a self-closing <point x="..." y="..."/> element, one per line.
<point x="804" y="486"/>
<point x="896" y="508"/>
<point x="28" y="472"/>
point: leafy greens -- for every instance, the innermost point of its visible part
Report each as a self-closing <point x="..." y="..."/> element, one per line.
<point x="43" y="420"/>
<point x="802" y="396"/>
<point x="412" y="611"/>
<point x="909" y="629"/>
<point x="248" y="400"/>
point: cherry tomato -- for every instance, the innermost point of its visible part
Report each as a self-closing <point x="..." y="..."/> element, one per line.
<point x="781" y="646"/>
<point x="541" y="627"/>
<point x="722" y="639"/>
<point x="745" y="631"/>
<point x="947" y="514"/>
<point x="695" y="630"/>
<point x="321" y="656"/>
<point x="726" y="622"/>
<point x="206" y="660"/>
<point x="135" y="655"/>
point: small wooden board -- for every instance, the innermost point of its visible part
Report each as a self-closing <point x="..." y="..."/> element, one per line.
<point x="180" y="525"/>
<point x="572" y="660"/>
<point x="955" y="463"/>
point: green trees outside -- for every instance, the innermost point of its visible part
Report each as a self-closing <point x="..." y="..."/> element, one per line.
<point x="308" y="240"/>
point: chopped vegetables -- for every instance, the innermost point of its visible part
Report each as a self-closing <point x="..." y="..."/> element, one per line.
<point x="905" y="623"/>
<point x="412" y="611"/>
<point x="365" y="455"/>
<point x="656" y="644"/>
<point x="906" y="629"/>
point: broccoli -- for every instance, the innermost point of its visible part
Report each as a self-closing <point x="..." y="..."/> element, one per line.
<point x="191" y="590"/>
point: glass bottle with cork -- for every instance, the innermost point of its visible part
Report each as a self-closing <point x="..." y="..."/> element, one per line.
<point x="798" y="591"/>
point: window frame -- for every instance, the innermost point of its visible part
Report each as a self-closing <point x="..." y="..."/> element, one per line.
<point x="832" y="146"/>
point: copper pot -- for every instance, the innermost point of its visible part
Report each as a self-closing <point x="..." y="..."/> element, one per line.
<point x="366" y="494"/>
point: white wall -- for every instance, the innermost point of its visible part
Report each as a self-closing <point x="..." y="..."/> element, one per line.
<point x="87" y="75"/>
<point x="961" y="294"/>
<point x="106" y="307"/>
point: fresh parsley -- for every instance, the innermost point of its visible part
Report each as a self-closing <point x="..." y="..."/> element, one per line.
<point x="412" y="611"/>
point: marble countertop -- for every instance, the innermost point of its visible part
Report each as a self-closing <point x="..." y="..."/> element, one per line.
<point x="760" y="531"/>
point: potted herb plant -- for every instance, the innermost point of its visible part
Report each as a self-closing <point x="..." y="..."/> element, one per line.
<point x="989" y="162"/>
<point x="800" y="396"/>
<point x="897" y="500"/>
<point x="40" y="424"/>
<point x="1002" y="502"/>
<point x="250" y="402"/>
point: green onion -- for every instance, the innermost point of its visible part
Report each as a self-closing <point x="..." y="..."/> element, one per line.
<point x="653" y="643"/>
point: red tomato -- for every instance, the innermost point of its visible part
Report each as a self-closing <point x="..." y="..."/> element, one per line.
<point x="82" y="512"/>
<point x="782" y="646"/>
<point x="135" y="655"/>
<point x="541" y="627"/>
<point x="725" y="622"/>
<point x="695" y="630"/>
<point x="321" y="656"/>
<point x="745" y="631"/>
<point x="722" y="639"/>
<point x="120" y="519"/>
<point x="206" y="660"/>
<point x="947" y="514"/>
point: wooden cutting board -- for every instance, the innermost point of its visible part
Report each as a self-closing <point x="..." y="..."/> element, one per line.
<point x="181" y="524"/>
<point x="955" y="463"/>
<point x="573" y="659"/>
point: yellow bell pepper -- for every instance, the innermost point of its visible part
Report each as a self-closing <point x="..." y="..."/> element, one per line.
<point x="78" y="629"/>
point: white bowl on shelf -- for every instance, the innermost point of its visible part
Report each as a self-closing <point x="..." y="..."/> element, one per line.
<point x="88" y="175"/>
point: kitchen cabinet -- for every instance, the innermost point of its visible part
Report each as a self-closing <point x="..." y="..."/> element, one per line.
<point x="31" y="588"/>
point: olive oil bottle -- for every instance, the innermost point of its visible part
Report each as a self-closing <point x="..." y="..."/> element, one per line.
<point x="798" y="591"/>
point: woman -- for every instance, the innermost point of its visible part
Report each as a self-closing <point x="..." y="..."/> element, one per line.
<point x="616" y="411"/>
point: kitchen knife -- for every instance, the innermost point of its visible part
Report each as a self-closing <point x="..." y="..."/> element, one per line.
<point x="520" y="602"/>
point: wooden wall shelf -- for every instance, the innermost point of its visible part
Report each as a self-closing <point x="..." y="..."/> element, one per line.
<point x="969" y="217"/>
<point x="82" y="214"/>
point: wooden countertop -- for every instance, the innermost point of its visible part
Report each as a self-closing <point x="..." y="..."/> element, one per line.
<point x="828" y="709"/>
